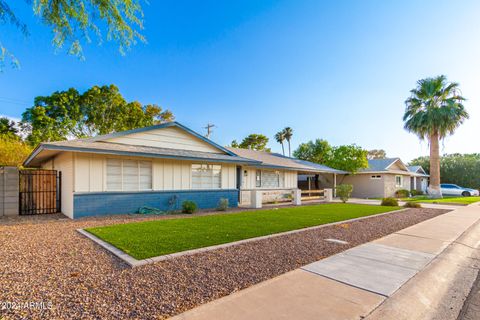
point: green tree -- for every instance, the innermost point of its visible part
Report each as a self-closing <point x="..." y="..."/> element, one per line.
<point x="234" y="144"/>
<point x="288" y="133"/>
<point x="105" y="110"/>
<point x="424" y="162"/>
<point x="376" y="154"/>
<point x="280" y="138"/>
<point x="8" y="127"/>
<point x="13" y="150"/>
<point x="318" y="151"/>
<point x="255" y="141"/>
<point x="53" y="118"/>
<point x="99" y="110"/>
<point x="433" y="111"/>
<point x="349" y="158"/>
<point x="461" y="169"/>
<point x="74" y="22"/>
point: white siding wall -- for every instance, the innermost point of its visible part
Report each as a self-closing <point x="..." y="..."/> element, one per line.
<point x="170" y="137"/>
<point x="166" y="174"/>
<point x="64" y="163"/>
<point x="248" y="181"/>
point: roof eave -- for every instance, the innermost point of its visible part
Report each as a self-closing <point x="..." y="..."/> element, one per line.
<point x="42" y="147"/>
<point x="313" y="170"/>
<point x="33" y="154"/>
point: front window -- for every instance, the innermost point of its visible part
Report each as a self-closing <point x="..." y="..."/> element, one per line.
<point x="272" y="179"/>
<point x="128" y="175"/>
<point x="258" y="178"/>
<point x="398" y="181"/>
<point x="206" y="176"/>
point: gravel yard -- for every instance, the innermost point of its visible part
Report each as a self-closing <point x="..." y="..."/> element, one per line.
<point x="48" y="261"/>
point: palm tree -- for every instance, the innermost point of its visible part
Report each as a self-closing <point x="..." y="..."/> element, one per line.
<point x="288" y="133"/>
<point x="280" y="137"/>
<point x="434" y="110"/>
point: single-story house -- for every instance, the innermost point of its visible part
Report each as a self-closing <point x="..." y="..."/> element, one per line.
<point x="419" y="179"/>
<point x="383" y="177"/>
<point x="161" y="166"/>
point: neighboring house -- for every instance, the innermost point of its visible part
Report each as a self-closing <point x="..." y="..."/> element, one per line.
<point x="383" y="178"/>
<point x="419" y="179"/>
<point x="160" y="166"/>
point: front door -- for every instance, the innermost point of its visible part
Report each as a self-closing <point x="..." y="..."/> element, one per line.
<point x="239" y="182"/>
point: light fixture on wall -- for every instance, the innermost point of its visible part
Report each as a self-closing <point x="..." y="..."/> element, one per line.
<point x="245" y="173"/>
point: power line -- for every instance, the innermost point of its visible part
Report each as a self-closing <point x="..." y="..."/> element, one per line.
<point x="14" y="101"/>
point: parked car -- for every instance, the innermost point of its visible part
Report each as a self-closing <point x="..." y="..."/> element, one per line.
<point x="449" y="189"/>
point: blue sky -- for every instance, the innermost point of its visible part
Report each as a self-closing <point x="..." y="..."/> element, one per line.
<point x="337" y="70"/>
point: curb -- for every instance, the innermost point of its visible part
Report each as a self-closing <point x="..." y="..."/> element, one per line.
<point x="132" y="262"/>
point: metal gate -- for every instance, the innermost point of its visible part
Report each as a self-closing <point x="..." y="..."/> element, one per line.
<point x="40" y="192"/>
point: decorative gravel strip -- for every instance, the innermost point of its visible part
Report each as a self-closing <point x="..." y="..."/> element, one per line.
<point x="50" y="262"/>
<point x="131" y="261"/>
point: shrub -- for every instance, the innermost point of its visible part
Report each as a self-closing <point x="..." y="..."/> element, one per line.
<point x="402" y="193"/>
<point x="416" y="193"/>
<point x="222" y="204"/>
<point x="390" y="202"/>
<point x="344" y="191"/>
<point x="411" y="204"/>
<point x="189" y="206"/>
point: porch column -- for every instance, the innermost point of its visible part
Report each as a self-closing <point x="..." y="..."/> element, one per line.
<point x="334" y="185"/>
<point x="256" y="199"/>
<point x="297" y="197"/>
<point x="415" y="183"/>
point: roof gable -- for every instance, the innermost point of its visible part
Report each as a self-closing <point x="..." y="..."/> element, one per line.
<point x="170" y="135"/>
<point x="417" y="169"/>
<point x="397" y="165"/>
<point x="385" y="165"/>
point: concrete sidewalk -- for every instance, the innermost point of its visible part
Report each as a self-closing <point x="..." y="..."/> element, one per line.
<point x="405" y="275"/>
<point x="401" y="203"/>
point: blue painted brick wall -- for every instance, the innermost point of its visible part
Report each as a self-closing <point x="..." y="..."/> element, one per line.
<point x="106" y="203"/>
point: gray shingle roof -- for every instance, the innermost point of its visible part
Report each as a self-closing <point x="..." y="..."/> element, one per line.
<point x="241" y="156"/>
<point x="86" y="145"/>
<point x="416" y="169"/>
<point x="276" y="160"/>
<point x="375" y="165"/>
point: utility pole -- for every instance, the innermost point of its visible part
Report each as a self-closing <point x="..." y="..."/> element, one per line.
<point x="209" y="128"/>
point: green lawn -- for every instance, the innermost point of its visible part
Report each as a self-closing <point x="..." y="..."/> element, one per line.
<point x="154" y="238"/>
<point x="459" y="200"/>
